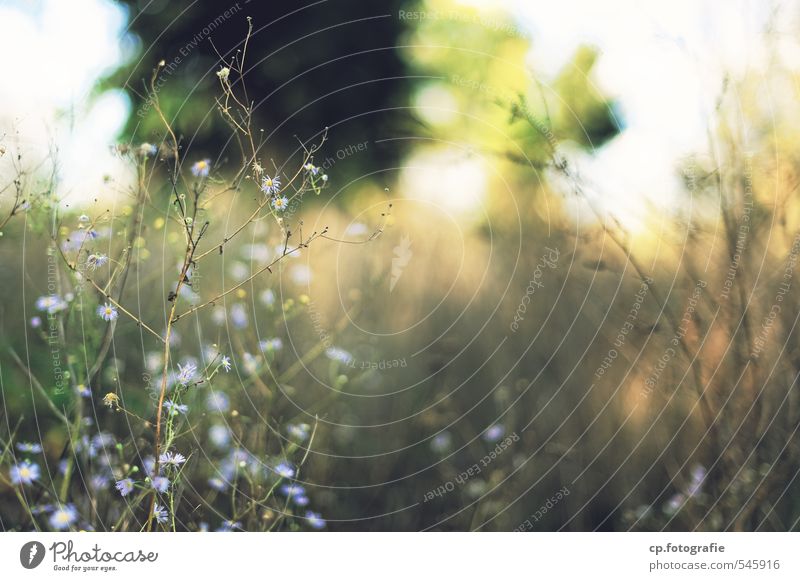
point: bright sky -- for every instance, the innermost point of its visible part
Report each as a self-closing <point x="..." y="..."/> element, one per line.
<point x="53" y="53"/>
<point x="662" y="61"/>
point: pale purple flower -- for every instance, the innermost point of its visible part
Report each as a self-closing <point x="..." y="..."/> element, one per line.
<point x="284" y="470"/>
<point x="298" y="431"/>
<point x="226" y="363"/>
<point x="51" y="304"/>
<point x="494" y="433"/>
<point x="271" y="344"/>
<point x="29" y="447"/>
<point x="228" y="526"/>
<point x="696" y="483"/>
<point x="63" y="517"/>
<point x="217" y="484"/>
<point x="24" y="473"/>
<point x="172" y="459"/>
<point x="95" y="261"/>
<point x="315" y="520"/>
<point x="218" y="402"/>
<point x="292" y="490"/>
<point x="185" y="374"/>
<point x="160" y="483"/>
<point x="36" y="322"/>
<point x="441" y="442"/>
<point x="674" y="503"/>
<point x="280" y="203"/>
<point x="107" y="312"/>
<point x="201" y="168"/>
<point x="270" y="185"/>
<point x="267" y="297"/>
<point x="175" y="408"/>
<point x="219" y="435"/>
<point x="337" y="354"/>
<point x="160" y="513"/>
<point x="239" y="316"/>
<point x="125" y="486"/>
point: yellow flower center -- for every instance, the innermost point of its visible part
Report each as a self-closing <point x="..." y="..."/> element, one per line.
<point x="24" y="472"/>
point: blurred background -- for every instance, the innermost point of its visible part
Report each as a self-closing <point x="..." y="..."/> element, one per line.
<point x="586" y="212"/>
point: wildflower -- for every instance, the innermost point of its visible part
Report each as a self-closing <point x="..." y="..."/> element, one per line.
<point x="201" y="168"/>
<point x="271" y="344"/>
<point x="63" y="517"/>
<point x="175" y="408"/>
<point x="83" y="218"/>
<point x="160" y="513"/>
<point x="284" y="470"/>
<point x="228" y="526"/>
<point x="219" y="435"/>
<point x="24" y="473"/>
<point x="41" y="509"/>
<point x="441" y="442"/>
<point x="674" y="503"/>
<point x="107" y="312"/>
<point x="218" y="315"/>
<point x="125" y="486"/>
<point x="147" y="150"/>
<point x="95" y="261"/>
<point x="111" y="400"/>
<point x="148" y="464"/>
<point x="226" y="363"/>
<point x="98" y="482"/>
<point x="239" y="316"/>
<point x="223" y="73"/>
<point x="173" y="459"/>
<point x="218" y="402"/>
<point x="103" y="440"/>
<point x="298" y="431"/>
<point x="311" y="168"/>
<point x="84" y="391"/>
<point x="217" y="484"/>
<point x="315" y="520"/>
<point x="51" y="304"/>
<point x="324" y="177"/>
<point x="494" y="433"/>
<point x="29" y="447"/>
<point x="301" y="500"/>
<point x="185" y="374"/>
<point x="268" y="297"/>
<point x="337" y="354"/>
<point x="270" y="185"/>
<point x="249" y="362"/>
<point x="280" y="203"/>
<point x="160" y="483"/>
<point x="36" y="322"/>
<point x="696" y="483"/>
<point x="292" y="490"/>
